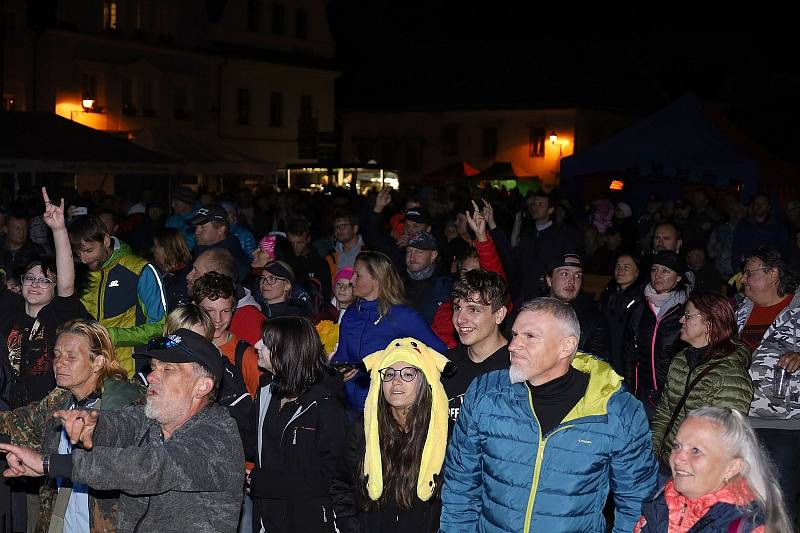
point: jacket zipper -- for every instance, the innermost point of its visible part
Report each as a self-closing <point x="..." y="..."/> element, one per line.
<point x="653" y="344"/>
<point x="537" y="467"/>
<point x="100" y="294"/>
<point x="298" y="414"/>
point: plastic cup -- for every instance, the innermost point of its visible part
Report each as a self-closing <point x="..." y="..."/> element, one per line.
<point x="780" y="382"/>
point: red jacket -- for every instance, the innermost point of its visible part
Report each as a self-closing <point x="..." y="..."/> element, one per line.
<point x="443" y="319"/>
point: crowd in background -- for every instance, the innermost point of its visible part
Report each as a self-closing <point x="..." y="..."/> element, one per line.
<point x="360" y="328"/>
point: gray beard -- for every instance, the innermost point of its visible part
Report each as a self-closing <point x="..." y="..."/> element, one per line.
<point x="515" y="375"/>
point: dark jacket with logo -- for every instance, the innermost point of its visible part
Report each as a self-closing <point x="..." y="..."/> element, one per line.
<point x="291" y="483"/>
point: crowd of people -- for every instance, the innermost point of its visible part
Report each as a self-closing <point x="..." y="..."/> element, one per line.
<point x="449" y="360"/>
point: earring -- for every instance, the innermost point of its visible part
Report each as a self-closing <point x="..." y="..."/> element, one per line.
<point x="725" y="480"/>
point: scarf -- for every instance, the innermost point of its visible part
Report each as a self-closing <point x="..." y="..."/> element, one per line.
<point x="666" y="301"/>
<point x="422" y="274"/>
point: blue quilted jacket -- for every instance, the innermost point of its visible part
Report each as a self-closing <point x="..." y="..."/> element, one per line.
<point x="502" y="475"/>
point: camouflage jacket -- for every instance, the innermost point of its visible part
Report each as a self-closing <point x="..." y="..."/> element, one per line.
<point x="782" y="336"/>
<point x="34" y="426"/>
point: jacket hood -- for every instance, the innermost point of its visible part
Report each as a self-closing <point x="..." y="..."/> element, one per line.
<point x="247" y="299"/>
<point x="603" y="383"/>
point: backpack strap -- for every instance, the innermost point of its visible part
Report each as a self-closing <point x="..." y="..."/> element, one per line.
<point x="241" y="346"/>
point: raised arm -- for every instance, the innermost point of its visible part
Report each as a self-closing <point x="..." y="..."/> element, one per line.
<point x="54" y="218"/>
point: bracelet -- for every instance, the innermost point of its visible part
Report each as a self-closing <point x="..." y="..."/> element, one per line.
<point x="46" y="465"/>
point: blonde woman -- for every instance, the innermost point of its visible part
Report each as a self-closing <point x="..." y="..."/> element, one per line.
<point x="377" y="316"/>
<point x="88" y="376"/>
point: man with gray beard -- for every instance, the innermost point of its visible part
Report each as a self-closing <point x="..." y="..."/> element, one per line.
<point x="177" y="460"/>
<point x="537" y="447"/>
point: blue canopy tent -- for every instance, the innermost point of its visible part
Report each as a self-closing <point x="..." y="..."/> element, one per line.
<point x="678" y="145"/>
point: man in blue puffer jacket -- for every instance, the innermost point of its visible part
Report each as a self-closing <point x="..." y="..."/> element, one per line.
<point x="538" y="447"/>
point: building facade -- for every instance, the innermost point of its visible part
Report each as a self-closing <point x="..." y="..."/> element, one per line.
<point x="213" y="82"/>
<point x="418" y="142"/>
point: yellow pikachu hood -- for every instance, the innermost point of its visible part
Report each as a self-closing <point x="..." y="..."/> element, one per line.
<point x="431" y="363"/>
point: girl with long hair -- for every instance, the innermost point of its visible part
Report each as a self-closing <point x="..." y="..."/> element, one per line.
<point x="396" y="452"/>
<point x="301" y="433"/>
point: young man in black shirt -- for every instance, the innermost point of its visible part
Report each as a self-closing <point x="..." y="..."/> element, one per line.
<point x="480" y="303"/>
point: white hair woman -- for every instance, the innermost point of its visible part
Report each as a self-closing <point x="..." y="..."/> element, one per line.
<point x="721" y="479"/>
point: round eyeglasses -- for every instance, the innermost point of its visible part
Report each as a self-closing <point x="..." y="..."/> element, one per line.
<point x="407" y="373"/>
<point x="27" y="279"/>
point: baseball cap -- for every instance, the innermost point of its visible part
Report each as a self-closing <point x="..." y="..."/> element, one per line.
<point x="417" y="215"/>
<point x="567" y="260"/>
<point x="185" y="195"/>
<point x="279" y="269"/>
<point x="422" y="240"/>
<point x="185" y="346"/>
<point x="207" y="214"/>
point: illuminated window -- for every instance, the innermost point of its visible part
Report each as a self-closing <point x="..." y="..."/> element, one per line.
<point x="110" y="15"/>
<point x="536" y="142"/>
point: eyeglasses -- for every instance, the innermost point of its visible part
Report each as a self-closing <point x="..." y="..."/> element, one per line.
<point x="688" y="316"/>
<point x="407" y="373"/>
<point x="269" y="280"/>
<point x="747" y="272"/>
<point x="27" y="279"/>
<point x="342" y="226"/>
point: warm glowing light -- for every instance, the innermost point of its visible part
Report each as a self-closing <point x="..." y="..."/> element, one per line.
<point x="87" y="103"/>
<point x="553" y="137"/>
<point x="617" y="185"/>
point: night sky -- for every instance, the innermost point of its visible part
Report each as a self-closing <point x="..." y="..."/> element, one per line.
<point x="552" y="54"/>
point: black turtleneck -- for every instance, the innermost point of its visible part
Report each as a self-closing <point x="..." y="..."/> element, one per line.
<point x="694" y="356"/>
<point x="554" y="399"/>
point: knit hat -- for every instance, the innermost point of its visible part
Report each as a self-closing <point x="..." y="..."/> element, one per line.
<point x="625" y="209"/>
<point x="671" y="260"/>
<point x="431" y="363"/>
<point x="185" y="195"/>
<point x="344" y="273"/>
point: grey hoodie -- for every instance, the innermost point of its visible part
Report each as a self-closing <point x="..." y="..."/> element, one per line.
<point x="191" y="482"/>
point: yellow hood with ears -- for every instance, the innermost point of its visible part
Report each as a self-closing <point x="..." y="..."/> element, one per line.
<point x="431" y="363"/>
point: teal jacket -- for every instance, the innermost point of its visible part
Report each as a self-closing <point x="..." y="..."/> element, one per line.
<point x="503" y="475"/>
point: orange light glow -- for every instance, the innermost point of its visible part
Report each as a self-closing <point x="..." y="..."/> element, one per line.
<point x="617" y="185"/>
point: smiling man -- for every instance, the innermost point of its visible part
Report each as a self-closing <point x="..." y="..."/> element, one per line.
<point x="537" y="447"/>
<point x="178" y="456"/>
<point x="123" y="292"/>
<point x="480" y="301"/>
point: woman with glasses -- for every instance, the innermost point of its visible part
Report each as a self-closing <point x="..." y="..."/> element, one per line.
<point x="711" y="372"/>
<point x="652" y="336"/>
<point x="29" y="328"/>
<point x="277" y="289"/>
<point x="396" y="453"/>
<point x="377" y="316"/>
<point x="301" y="434"/>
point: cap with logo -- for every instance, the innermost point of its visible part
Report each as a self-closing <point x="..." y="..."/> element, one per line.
<point x="422" y="240"/>
<point x="208" y="214"/>
<point x="185" y="346"/>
